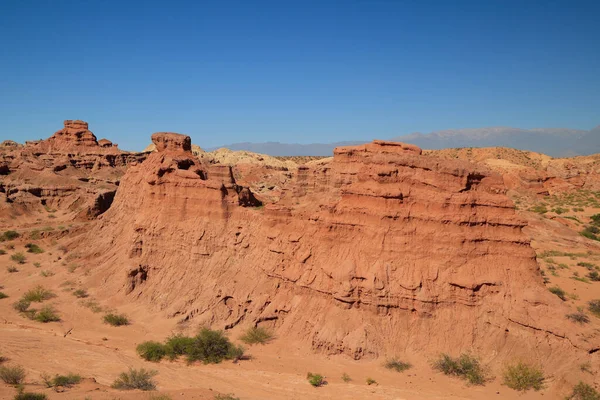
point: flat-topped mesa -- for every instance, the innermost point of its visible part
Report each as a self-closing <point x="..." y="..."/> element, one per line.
<point x="170" y="141"/>
<point x="75" y="133"/>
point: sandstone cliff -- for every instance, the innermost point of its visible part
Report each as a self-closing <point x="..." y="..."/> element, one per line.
<point x="379" y="251"/>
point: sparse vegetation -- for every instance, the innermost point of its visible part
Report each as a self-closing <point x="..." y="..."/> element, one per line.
<point x="61" y="380"/>
<point x="46" y="273"/>
<point x="38" y="294"/>
<point x="12" y="269"/>
<point x="135" y="379"/>
<point x="594" y="307"/>
<point x="346" y="378"/>
<point x="151" y="351"/>
<point x="30" y="396"/>
<point x="37" y="264"/>
<point x="14" y="375"/>
<point x="34" y="235"/>
<point x="523" y="377"/>
<point x="46" y="314"/>
<point x="9" y="235"/>
<point x="579" y="317"/>
<point x="256" y="335"/>
<point x="315" y="380"/>
<point x="21" y="305"/>
<point x="371" y="381"/>
<point x="213" y="347"/>
<point x="397" y="365"/>
<point x="34" y="248"/>
<point x="80" y="293"/>
<point x="116" y="319"/>
<point x="3" y="295"/>
<point x="92" y="305"/>
<point x="2" y="252"/>
<point x="229" y="396"/>
<point x="583" y="391"/>
<point x="586" y="367"/>
<point x="465" y="367"/>
<point x="18" y="258"/>
<point x="558" y="292"/>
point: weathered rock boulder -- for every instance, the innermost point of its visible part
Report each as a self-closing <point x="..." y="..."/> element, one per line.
<point x="169" y="141"/>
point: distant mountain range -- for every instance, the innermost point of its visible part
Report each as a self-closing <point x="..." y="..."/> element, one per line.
<point x="556" y="142"/>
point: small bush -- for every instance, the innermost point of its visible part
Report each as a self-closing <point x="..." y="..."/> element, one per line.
<point x="151" y="351"/>
<point x="30" y="396"/>
<point x="160" y="397"/>
<point x="594" y="307"/>
<point x="46" y="314"/>
<point x="523" y="377"/>
<point x="34" y="235"/>
<point x="37" y="264"/>
<point x="46" y="273"/>
<point x="397" y="365"/>
<point x="135" y="379"/>
<point x="315" y="379"/>
<point x="346" y="378"/>
<point x="2" y="252"/>
<point x="213" y="347"/>
<point x="256" y="335"/>
<point x="21" y="305"/>
<point x="178" y="345"/>
<point x="116" y="319"/>
<point x="92" y="305"/>
<point x="10" y="235"/>
<point x="61" y="380"/>
<point x="12" y="375"/>
<point x="583" y="391"/>
<point x="579" y="317"/>
<point x="229" y="396"/>
<point x="80" y="293"/>
<point x="3" y="295"/>
<point x="465" y="367"/>
<point x="558" y="292"/>
<point x="38" y="294"/>
<point x="12" y="269"/>
<point x="34" y="248"/>
<point x="371" y="381"/>
<point x="18" y="258"/>
<point x="594" y="276"/>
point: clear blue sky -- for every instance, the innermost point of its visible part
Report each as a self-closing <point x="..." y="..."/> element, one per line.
<point x="295" y="71"/>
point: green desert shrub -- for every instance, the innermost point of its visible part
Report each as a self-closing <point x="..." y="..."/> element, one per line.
<point x="10" y="235"/>
<point x="30" y="396"/>
<point x="229" y="396"/>
<point x="594" y="276"/>
<point x="583" y="391"/>
<point x="178" y="345"/>
<point x="46" y="273"/>
<point x="18" y="258"/>
<point x="34" y="248"/>
<point x="213" y="347"/>
<point x="14" y="375"/>
<point x="558" y="292"/>
<point x="38" y="294"/>
<point x="22" y="305"/>
<point x="80" y="293"/>
<point x="151" y="351"/>
<point x="523" y="377"/>
<point x="2" y="252"/>
<point x="397" y="365"/>
<point x="315" y="380"/>
<point x="3" y="295"/>
<point x="47" y="314"/>
<point x="579" y="317"/>
<point x="371" y="381"/>
<point x="12" y="269"/>
<point x="61" y="380"/>
<point x="594" y="307"/>
<point x="256" y="335"/>
<point x="136" y="379"/>
<point x="465" y="367"/>
<point x="116" y="319"/>
<point x="346" y="378"/>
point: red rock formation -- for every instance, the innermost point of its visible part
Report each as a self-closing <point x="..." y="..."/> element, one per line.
<point x="381" y="250"/>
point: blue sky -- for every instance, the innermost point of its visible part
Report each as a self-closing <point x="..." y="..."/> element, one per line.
<point x="295" y="71"/>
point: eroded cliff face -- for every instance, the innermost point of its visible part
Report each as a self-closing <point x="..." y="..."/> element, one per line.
<point x="70" y="171"/>
<point x="380" y="251"/>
